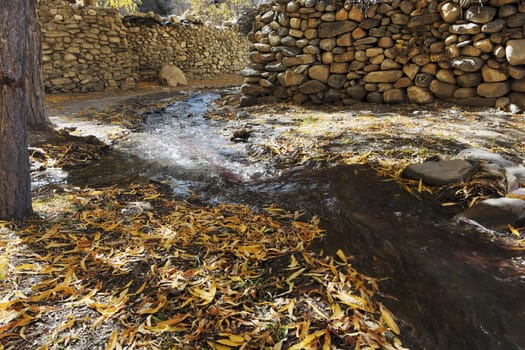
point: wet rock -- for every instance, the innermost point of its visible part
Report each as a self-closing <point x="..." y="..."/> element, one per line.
<point x="518" y="193"/>
<point x="441" y="172"/>
<point x="496" y="213"/>
<point x="172" y="76"/>
<point x="477" y="154"/>
<point x="515" y="176"/>
<point x="241" y="135"/>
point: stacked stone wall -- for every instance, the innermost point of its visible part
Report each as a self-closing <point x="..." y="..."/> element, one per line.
<point x="393" y="51"/>
<point x="83" y="49"/>
<point x="93" y="49"/>
<point x="197" y="50"/>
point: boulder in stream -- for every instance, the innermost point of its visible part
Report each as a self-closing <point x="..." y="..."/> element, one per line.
<point x="440" y="173"/>
<point x="496" y="213"/>
<point x="172" y="76"/>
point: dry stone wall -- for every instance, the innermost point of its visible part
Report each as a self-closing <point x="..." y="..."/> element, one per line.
<point x="197" y="50"/>
<point x="393" y="51"/>
<point x="93" y="49"/>
<point x="83" y="49"/>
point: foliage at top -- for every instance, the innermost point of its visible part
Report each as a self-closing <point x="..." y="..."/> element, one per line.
<point x="219" y="11"/>
<point x="123" y="5"/>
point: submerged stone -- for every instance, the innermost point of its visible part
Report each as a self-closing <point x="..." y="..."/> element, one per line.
<point x="441" y="172"/>
<point x="482" y="155"/>
<point x="496" y="213"/>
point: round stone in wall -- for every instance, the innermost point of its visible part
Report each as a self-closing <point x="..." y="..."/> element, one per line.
<point x="515" y="52"/>
<point x="450" y="12"/>
<point x="419" y="95"/>
<point x="358" y="92"/>
<point x="480" y="14"/>
<point x="468" y="64"/>
<point x="493" y="89"/>
<point x="441" y="89"/>
<point x="494" y="26"/>
<point x="394" y="96"/>
<point x="312" y="87"/>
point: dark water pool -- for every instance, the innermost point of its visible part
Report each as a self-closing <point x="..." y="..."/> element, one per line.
<point x="453" y="290"/>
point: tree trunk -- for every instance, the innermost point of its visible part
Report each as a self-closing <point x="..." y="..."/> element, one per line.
<point x="36" y="117"/>
<point x="15" y="184"/>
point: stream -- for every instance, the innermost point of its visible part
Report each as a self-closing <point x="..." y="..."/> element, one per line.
<point x="449" y="289"/>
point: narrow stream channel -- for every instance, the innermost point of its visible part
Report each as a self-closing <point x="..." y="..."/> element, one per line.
<point x="451" y="290"/>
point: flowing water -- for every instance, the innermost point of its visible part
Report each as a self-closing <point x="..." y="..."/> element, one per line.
<point x="451" y="290"/>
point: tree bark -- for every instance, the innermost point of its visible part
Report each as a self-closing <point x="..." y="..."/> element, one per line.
<point x="35" y="102"/>
<point x="15" y="184"/>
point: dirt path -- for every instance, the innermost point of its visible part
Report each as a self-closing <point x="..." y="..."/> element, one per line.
<point x="98" y="101"/>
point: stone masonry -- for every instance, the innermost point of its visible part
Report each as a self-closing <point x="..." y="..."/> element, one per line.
<point x="94" y="49"/>
<point x="393" y="51"/>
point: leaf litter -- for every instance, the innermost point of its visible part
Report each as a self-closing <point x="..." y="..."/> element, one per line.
<point x="134" y="268"/>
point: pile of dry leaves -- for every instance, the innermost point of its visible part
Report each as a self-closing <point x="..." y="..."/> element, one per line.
<point x="132" y="268"/>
